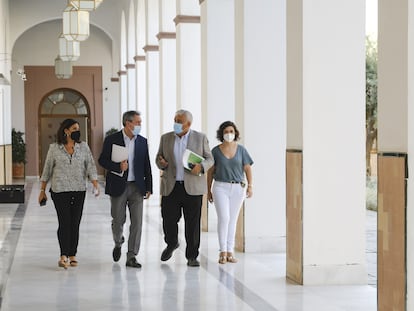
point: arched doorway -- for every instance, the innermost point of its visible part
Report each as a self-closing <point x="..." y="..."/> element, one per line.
<point x="55" y="107"/>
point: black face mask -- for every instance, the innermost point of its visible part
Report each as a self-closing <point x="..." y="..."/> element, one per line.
<point x="75" y="136"/>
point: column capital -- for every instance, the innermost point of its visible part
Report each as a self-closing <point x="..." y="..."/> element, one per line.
<point x="130" y="66"/>
<point x="139" y="58"/>
<point x="114" y="79"/>
<point x="166" y="35"/>
<point x="201" y="1"/>
<point x="151" y="48"/>
<point x="122" y="72"/>
<point x="187" y="19"/>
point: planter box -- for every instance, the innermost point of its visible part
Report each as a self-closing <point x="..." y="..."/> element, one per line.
<point x="11" y="193"/>
<point x="18" y="170"/>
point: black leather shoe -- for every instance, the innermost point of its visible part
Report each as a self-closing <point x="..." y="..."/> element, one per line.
<point x="116" y="253"/>
<point x="167" y="252"/>
<point x="132" y="262"/>
<point x="193" y="262"/>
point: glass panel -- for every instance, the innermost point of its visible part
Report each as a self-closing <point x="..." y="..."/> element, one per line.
<point x="63" y="108"/>
<point x="64" y="102"/>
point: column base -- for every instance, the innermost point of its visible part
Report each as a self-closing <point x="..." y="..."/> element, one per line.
<point x="272" y="244"/>
<point x="335" y="274"/>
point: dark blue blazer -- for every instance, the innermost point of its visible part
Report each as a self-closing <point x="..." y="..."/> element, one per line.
<point x="115" y="185"/>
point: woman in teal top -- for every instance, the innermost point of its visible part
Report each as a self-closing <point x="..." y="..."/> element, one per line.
<point x="232" y="167"/>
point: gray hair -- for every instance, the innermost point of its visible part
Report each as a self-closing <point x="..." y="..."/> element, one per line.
<point x="186" y="113"/>
<point x="129" y="115"/>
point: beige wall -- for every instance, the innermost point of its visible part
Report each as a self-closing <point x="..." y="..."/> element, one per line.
<point x="41" y="80"/>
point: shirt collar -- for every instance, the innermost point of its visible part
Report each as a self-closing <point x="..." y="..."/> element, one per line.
<point x="185" y="136"/>
<point x="126" y="136"/>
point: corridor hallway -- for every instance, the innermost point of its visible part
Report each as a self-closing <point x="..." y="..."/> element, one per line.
<point x="34" y="281"/>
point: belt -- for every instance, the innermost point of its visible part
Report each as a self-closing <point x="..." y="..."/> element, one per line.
<point x="242" y="183"/>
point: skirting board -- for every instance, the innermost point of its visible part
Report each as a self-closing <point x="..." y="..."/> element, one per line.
<point x="267" y="244"/>
<point x="335" y="274"/>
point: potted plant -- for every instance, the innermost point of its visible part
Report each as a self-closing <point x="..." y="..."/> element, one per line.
<point x="111" y="131"/>
<point x="18" y="154"/>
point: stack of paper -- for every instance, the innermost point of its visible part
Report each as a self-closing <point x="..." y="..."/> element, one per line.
<point x="119" y="154"/>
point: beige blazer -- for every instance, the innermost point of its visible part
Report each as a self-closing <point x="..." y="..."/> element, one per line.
<point x="194" y="185"/>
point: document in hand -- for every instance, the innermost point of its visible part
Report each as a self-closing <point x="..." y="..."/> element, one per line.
<point x="119" y="154"/>
<point x="190" y="158"/>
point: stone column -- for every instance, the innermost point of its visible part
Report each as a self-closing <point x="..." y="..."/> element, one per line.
<point x="217" y="71"/>
<point x="217" y="64"/>
<point x="395" y="160"/>
<point x="130" y="65"/>
<point x="153" y="83"/>
<point x="5" y="98"/>
<point x="131" y="86"/>
<point x="326" y="142"/>
<point x="140" y="63"/>
<point x="168" y="72"/>
<point x="260" y="113"/>
<point x="187" y="23"/>
<point x="5" y="132"/>
<point x="122" y="73"/>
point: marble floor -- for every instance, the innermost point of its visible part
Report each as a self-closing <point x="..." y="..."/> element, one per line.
<point x="31" y="279"/>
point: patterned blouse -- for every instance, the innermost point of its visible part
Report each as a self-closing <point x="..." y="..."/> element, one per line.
<point x="69" y="172"/>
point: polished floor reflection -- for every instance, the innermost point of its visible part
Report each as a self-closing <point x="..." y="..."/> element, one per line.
<point x="256" y="282"/>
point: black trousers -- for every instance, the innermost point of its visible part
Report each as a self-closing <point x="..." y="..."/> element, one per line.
<point x="69" y="207"/>
<point x="179" y="201"/>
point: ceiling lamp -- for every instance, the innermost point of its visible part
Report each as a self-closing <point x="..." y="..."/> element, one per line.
<point x="69" y="51"/>
<point x="86" y="5"/>
<point x="63" y="70"/>
<point x="75" y="24"/>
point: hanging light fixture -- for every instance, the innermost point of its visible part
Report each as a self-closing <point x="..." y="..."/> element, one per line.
<point x="69" y="51"/>
<point x="63" y="70"/>
<point x="75" y="24"/>
<point x="86" y="5"/>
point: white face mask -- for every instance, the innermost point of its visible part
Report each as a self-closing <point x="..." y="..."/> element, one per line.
<point x="229" y="137"/>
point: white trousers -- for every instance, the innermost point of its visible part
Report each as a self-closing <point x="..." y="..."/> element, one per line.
<point x="228" y="199"/>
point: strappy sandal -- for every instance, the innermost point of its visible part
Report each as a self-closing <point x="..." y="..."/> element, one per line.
<point x="72" y="261"/>
<point x="222" y="258"/>
<point x="231" y="259"/>
<point x="63" y="262"/>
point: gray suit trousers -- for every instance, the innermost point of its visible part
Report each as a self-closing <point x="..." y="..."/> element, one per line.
<point x="132" y="198"/>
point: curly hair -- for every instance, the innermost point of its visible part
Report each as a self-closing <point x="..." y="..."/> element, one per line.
<point x="225" y="124"/>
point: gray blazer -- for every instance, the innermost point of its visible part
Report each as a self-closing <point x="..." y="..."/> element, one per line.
<point x="194" y="185"/>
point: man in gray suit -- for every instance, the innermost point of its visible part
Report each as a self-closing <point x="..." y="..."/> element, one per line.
<point x="182" y="189"/>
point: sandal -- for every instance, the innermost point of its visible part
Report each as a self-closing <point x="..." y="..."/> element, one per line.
<point x="63" y="262"/>
<point x="231" y="259"/>
<point x="222" y="258"/>
<point x="72" y="261"/>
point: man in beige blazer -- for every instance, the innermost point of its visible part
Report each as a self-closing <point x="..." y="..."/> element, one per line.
<point x="182" y="189"/>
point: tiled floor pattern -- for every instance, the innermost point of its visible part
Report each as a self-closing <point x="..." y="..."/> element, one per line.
<point x="31" y="280"/>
